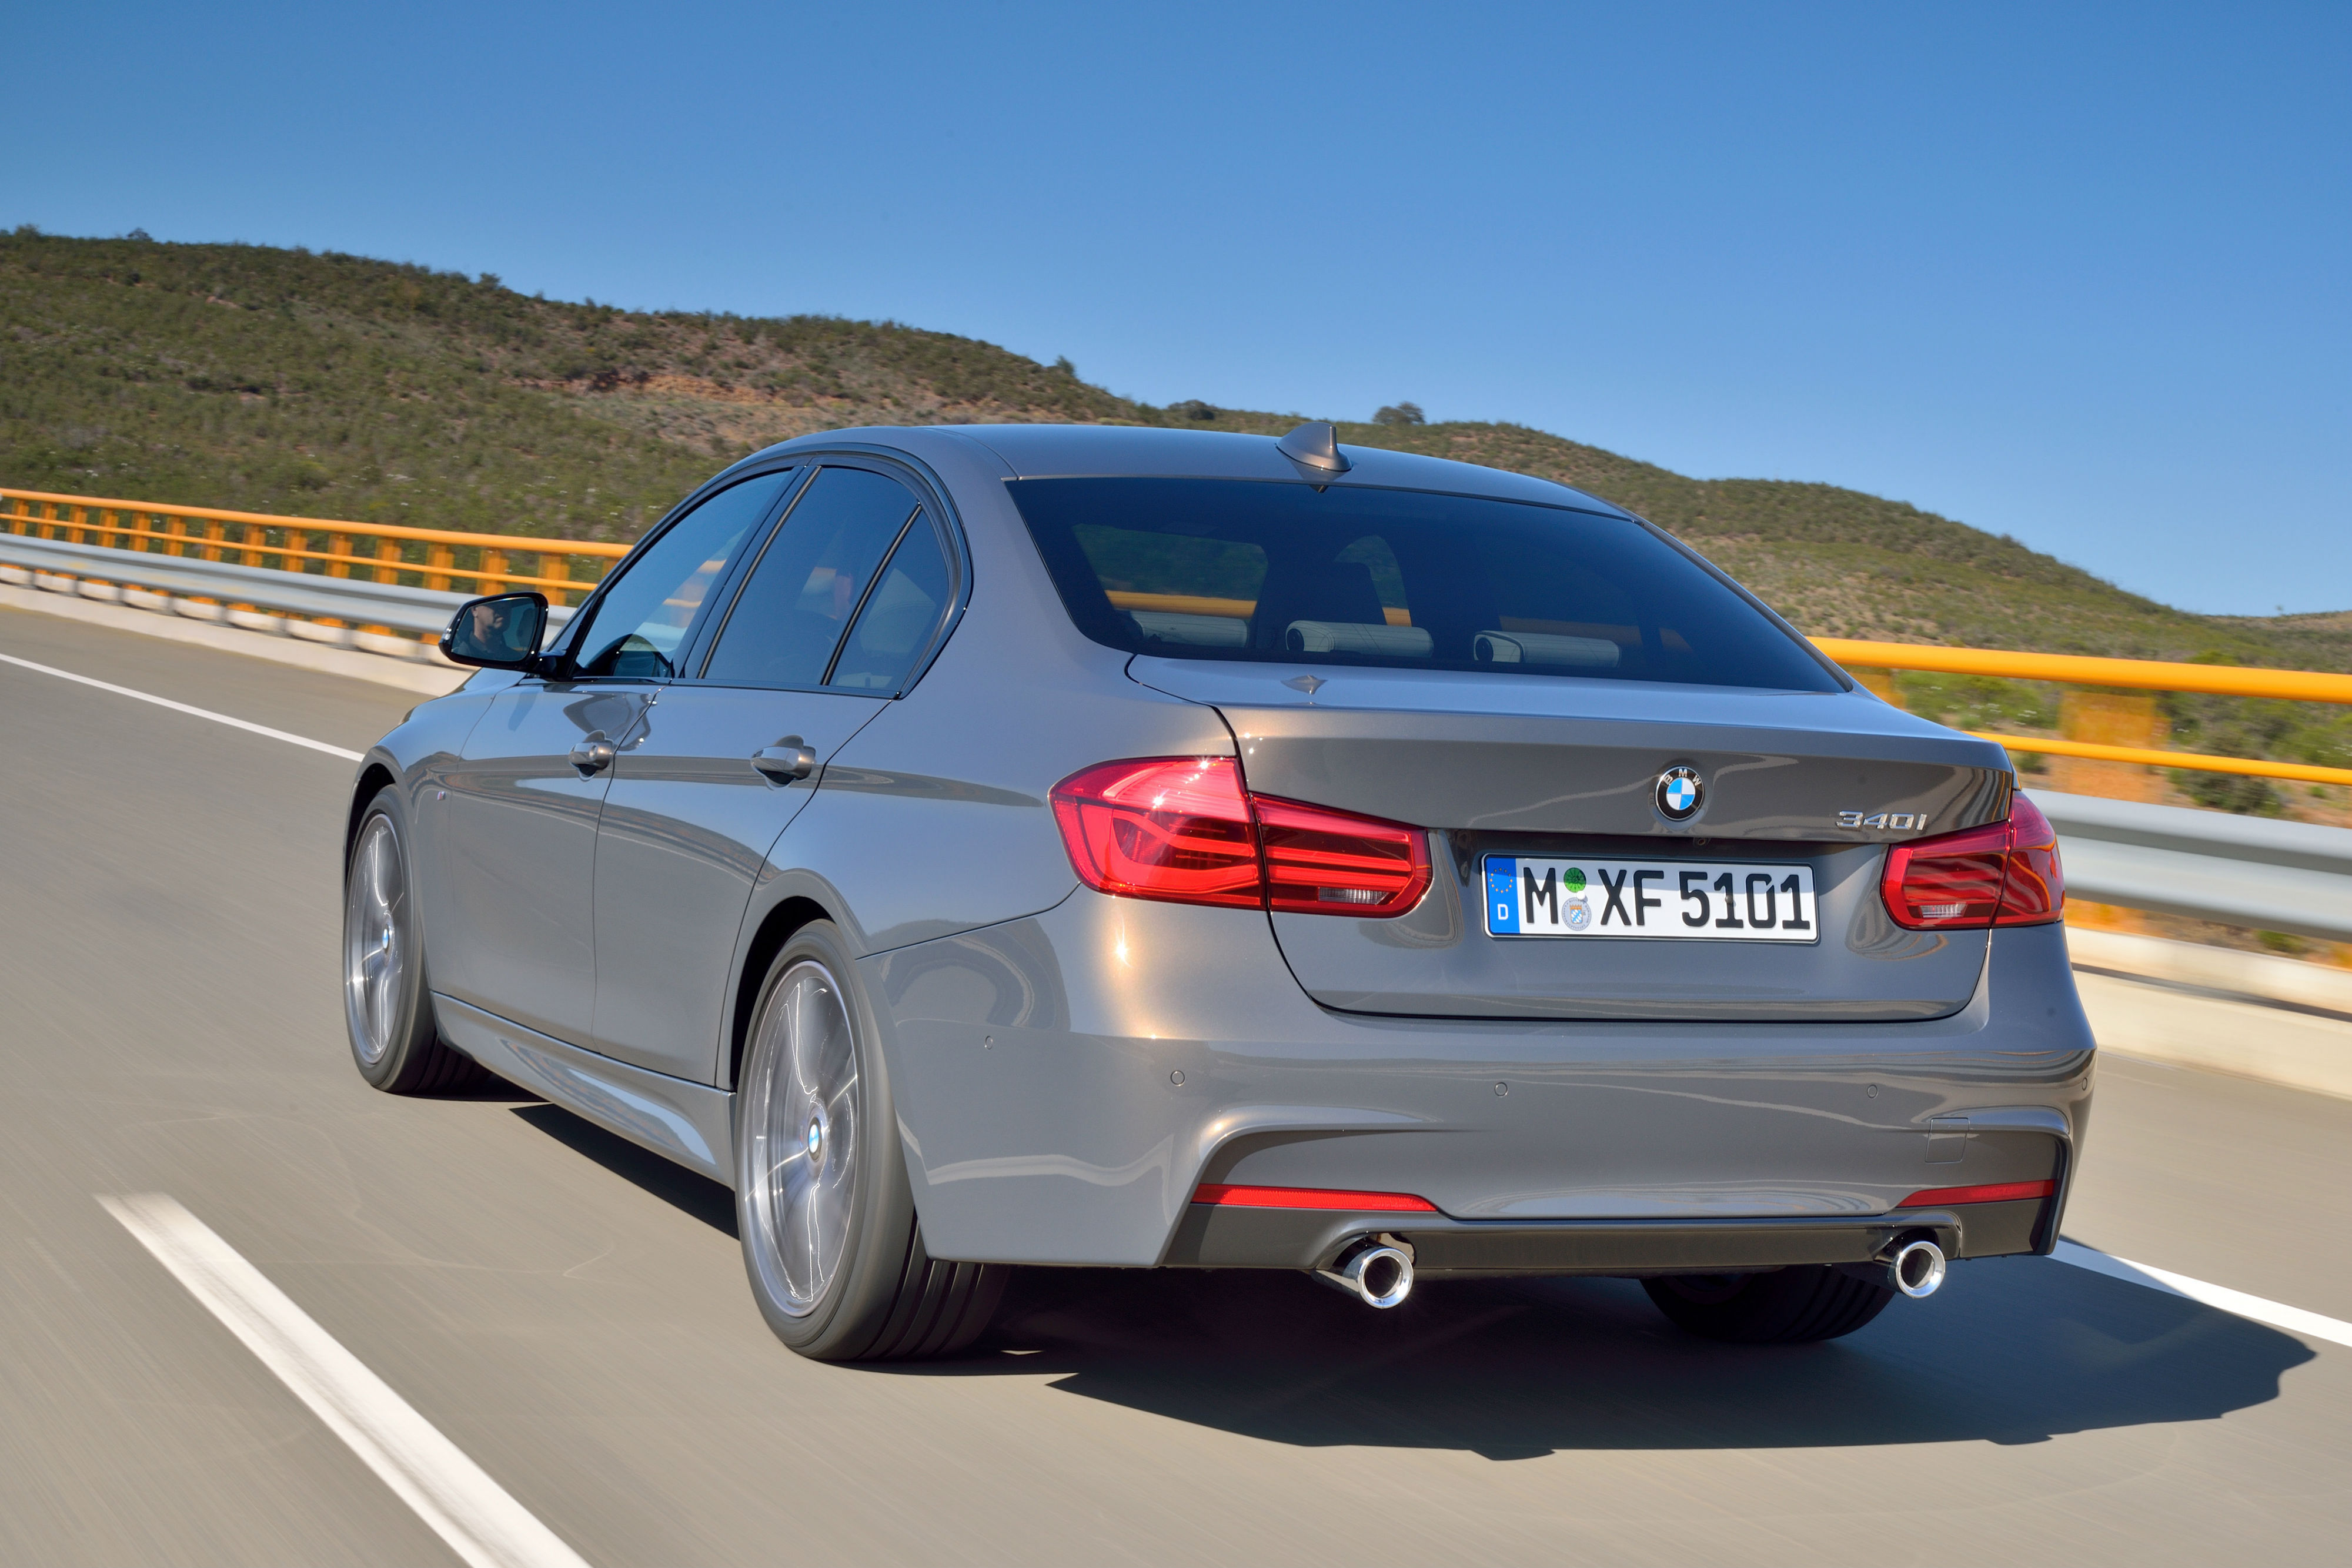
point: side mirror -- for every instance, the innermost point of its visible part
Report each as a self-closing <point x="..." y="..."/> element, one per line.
<point x="501" y="632"/>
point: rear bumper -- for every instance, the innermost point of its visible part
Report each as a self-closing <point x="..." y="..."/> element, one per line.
<point x="1212" y="1237"/>
<point x="1063" y="1083"/>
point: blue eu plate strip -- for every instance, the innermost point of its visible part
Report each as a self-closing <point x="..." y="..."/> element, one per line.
<point x="1502" y="896"/>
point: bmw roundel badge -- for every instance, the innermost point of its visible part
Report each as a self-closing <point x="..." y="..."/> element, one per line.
<point x="1680" y="794"/>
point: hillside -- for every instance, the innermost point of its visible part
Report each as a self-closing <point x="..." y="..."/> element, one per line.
<point x="329" y="385"/>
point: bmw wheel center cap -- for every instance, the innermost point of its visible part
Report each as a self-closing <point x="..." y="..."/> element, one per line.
<point x="1680" y="794"/>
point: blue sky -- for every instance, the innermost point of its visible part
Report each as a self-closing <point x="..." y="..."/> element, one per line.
<point x="2078" y="274"/>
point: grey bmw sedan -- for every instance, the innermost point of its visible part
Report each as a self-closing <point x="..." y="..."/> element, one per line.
<point x="996" y="846"/>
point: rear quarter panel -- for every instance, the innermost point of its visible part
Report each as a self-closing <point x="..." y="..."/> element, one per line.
<point x="935" y="817"/>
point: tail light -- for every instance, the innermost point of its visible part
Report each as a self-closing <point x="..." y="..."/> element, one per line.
<point x="1183" y="830"/>
<point x="1329" y="863"/>
<point x="1175" y="828"/>
<point x="2003" y="873"/>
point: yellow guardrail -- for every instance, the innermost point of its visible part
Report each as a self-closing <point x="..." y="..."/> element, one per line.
<point x="2146" y="675"/>
<point x="377" y="552"/>
<point x="436" y="558"/>
<point x="2198" y="761"/>
<point x="2151" y="675"/>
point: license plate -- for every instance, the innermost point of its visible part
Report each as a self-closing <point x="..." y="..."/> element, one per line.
<point x="1711" y="902"/>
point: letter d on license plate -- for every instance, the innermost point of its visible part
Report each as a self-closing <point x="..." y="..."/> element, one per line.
<point x="1728" y="900"/>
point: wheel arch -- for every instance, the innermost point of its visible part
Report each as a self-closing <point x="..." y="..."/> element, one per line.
<point x="776" y="928"/>
<point x="372" y="780"/>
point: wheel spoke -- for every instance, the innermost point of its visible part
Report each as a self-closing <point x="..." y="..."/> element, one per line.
<point x="381" y="1002"/>
<point x="379" y="876"/>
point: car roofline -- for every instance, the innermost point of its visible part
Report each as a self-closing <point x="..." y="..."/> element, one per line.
<point x="1113" y="451"/>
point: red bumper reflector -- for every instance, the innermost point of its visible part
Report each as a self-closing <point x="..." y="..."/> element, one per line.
<point x="1995" y="1192"/>
<point x="1312" y="1197"/>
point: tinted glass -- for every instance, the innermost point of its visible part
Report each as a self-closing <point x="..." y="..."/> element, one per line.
<point x="900" y="614"/>
<point x="788" y="620"/>
<point x="1221" y="569"/>
<point x="642" y="621"/>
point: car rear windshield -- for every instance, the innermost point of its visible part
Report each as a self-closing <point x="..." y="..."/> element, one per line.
<point x="1245" y="570"/>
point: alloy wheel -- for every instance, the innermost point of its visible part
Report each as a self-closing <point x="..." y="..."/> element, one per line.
<point x="375" y="947"/>
<point x="801" y="1136"/>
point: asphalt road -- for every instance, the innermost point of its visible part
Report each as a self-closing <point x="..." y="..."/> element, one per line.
<point x="572" y="1313"/>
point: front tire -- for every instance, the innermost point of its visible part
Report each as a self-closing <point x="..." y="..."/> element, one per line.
<point x="1786" y="1306"/>
<point x="831" y="1243"/>
<point x="387" y="1007"/>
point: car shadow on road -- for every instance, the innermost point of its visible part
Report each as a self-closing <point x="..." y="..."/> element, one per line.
<point x="2015" y="1350"/>
<point x="682" y="1189"/>
<point x="489" y="1087"/>
<point x="2012" y="1351"/>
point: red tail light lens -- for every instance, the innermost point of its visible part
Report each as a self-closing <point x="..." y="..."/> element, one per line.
<point x="2035" y="890"/>
<point x="1183" y="829"/>
<point x="1951" y="880"/>
<point x="2004" y="874"/>
<point x="1329" y="863"/>
<point x="1175" y="828"/>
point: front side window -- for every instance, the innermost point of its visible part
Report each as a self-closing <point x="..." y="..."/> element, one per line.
<point x="787" y="623"/>
<point x="1243" y="569"/>
<point x="640" y="624"/>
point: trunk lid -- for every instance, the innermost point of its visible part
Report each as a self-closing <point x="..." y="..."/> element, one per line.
<point x="1565" y="770"/>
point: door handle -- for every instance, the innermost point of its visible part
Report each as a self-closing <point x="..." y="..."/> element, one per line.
<point x="786" y="760"/>
<point x="593" y="754"/>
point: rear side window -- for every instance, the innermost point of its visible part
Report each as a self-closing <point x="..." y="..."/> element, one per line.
<point x="1240" y="569"/>
<point x="788" y="621"/>
<point x="909" y="601"/>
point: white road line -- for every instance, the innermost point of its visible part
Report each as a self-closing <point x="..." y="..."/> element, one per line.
<point x="2294" y="1320"/>
<point x="450" y="1493"/>
<point x="183" y="707"/>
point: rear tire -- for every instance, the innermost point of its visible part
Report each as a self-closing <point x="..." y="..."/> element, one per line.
<point x="831" y="1242"/>
<point x="1786" y="1306"/>
<point x="387" y="1005"/>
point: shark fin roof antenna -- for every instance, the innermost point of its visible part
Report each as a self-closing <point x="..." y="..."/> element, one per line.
<point x="1315" y="444"/>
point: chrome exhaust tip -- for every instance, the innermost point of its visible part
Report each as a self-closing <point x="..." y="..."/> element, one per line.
<point x="1917" y="1270"/>
<point x="1379" y="1275"/>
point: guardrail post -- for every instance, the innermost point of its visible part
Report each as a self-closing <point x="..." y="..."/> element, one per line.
<point x="492" y="577"/>
<point x="2110" y="719"/>
<point x="558" y="567"/>
<point x="341" y="545"/>
<point x="438" y="560"/>
<point x="1879" y="683"/>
